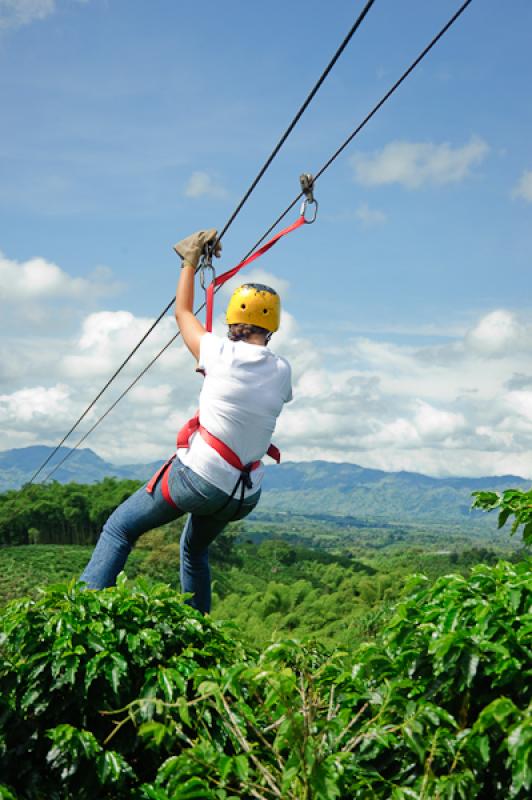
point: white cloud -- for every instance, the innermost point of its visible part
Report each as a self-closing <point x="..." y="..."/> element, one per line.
<point x="436" y="425"/>
<point x="443" y="410"/>
<point x="38" y="279"/>
<point x="458" y="407"/>
<point x="523" y="187"/>
<point x="369" y="216"/>
<point x="414" y="164"/>
<point x="153" y="395"/>
<point x="14" y="13"/>
<point x="38" y="298"/>
<point x="201" y="184"/>
<point x="521" y="403"/>
<point x="32" y="405"/>
<point x="497" y="334"/>
<point x="107" y="337"/>
<point x="36" y="407"/>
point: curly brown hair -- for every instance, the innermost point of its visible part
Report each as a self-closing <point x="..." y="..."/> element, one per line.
<point x="241" y="332"/>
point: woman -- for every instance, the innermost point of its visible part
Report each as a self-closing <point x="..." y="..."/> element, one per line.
<point x="216" y="474"/>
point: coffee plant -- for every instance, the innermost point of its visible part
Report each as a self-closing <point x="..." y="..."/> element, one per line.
<point x="129" y="693"/>
<point x="510" y="503"/>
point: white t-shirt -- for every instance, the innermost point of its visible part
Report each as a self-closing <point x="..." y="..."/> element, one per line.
<point x="245" y="388"/>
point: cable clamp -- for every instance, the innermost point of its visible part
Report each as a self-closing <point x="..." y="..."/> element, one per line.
<point x="307" y="188"/>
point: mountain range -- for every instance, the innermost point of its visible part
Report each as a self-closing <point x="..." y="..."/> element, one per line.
<point x="315" y="488"/>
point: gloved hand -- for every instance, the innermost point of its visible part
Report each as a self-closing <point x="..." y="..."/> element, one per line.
<point x="191" y="248"/>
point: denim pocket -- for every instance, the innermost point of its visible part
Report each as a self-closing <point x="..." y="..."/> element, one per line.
<point x="182" y="472"/>
<point x="188" y="496"/>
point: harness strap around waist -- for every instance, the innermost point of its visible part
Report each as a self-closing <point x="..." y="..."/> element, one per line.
<point x="187" y="431"/>
<point x="193" y="426"/>
<point x="183" y="441"/>
<point x="225" y="452"/>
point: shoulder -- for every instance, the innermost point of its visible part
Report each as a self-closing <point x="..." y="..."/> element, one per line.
<point x="283" y="365"/>
<point x="212" y="342"/>
<point x="211" y="346"/>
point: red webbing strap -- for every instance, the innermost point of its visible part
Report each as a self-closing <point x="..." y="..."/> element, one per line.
<point x="184" y="435"/>
<point x="274" y="453"/>
<point x="221" y="279"/>
<point x="151" y="484"/>
<point x="165" y="490"/>
<point x="164" y="471"/>
<point x="192" y="426"/>
<point x="223" y="450"/>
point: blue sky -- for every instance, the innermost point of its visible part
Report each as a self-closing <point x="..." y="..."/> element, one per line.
<point x="129" y="124"/>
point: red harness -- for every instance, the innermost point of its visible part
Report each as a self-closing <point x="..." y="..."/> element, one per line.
<point x="162" y="472"/>
<point x="194" y="425"/>
<point x="183" y="441"/>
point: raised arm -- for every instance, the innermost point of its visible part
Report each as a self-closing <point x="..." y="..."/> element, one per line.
<point x="190" y="250"/>
<point x="191" y="328"/>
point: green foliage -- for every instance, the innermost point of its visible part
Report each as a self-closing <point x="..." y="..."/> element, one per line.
<point x="268" y="591"/>
<point x="23" y="569"/>
<point x="333" y="532"/>
<point x="71" y="657"/>
<point x="60" y="514"/>
<point x="511" y="503"/>
<point x="74" y="513"/>
<point x="437" y="707"/>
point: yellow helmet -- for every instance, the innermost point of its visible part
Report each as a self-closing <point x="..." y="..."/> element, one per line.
<point x="254" y="304"/>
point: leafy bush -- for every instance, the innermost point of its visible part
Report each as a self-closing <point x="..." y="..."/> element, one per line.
<point x="73" y="655"/>
<point x="438" y="708"/>
<point x="511" y="503"/>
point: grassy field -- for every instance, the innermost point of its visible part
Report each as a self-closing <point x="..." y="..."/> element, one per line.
<point x="269" y="590"/>
<point x="23" y="569"/>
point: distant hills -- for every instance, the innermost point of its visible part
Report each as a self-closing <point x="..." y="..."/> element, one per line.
<point x="323" y="487"/>
<point x="316" y="488"/>
<point x="84" y="466"/>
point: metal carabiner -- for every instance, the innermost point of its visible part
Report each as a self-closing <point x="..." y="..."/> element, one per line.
<point x="304" y="205"/>
<point x="306" y="182"/>
<point x="203" y="267"/>
<point x="206" y="264"/>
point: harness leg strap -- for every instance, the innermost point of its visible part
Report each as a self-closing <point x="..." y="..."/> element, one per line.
<point x="162" y="472"/>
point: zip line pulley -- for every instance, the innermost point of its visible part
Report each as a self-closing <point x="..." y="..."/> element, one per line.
<point x="309" y="201"/>
<point x="306" y="182"/>
<point x="307" y="188"/>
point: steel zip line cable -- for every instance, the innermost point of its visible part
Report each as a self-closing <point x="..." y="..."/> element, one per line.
<point x="294" y="202"/>
<point x="299" y="114"/>
<point x="364" y="122"/>
<point x="320" y="172"/>
<point x="224" y="230"/>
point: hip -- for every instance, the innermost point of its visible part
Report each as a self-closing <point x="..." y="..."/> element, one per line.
<point x="193" y="494"/>
<point x="207" y="463"/>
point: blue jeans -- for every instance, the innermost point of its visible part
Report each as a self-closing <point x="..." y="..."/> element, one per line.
<point x="210" y="510"/>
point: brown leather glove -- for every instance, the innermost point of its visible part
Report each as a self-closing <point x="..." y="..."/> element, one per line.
<point x="191" y="248"/>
